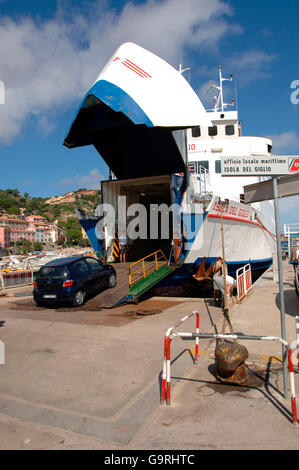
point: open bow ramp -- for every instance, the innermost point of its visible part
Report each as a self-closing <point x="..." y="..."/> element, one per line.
<point x="133" y="112"/>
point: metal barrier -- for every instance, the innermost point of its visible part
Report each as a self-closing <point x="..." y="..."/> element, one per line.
<point x="145" y="266"/>
<point x="244" y="281"/>
<point x="170" y="337"/>
<point x="166" y="363"/>
<point x="16" y="279"/>
<point x="297" y="338"/>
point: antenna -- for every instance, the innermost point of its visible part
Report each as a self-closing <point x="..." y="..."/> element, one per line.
<point x="218" y="102"/>
<point x="181" y="71"/>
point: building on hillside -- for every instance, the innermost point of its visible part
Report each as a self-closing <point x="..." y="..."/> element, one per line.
<point x="21" y="235"/>
<point x="34" y="229"/>
<point x="65" y="199"/>
<point x="4" y="236"/>
<point x="34" y="220"/>
<point x="84" y="236"/>
<point x="13" y="230"/>
<point x="52" y="234"/>
<point x="86" y="192"/>
<point x="14" y="223"/>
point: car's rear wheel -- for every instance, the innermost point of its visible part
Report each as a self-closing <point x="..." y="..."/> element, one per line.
<point x="39" y="303"/>
<point x="79" y="298"/>
<point x="112" y="280"/>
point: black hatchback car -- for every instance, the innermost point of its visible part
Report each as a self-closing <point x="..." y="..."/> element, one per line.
<point x="71" y="280"/>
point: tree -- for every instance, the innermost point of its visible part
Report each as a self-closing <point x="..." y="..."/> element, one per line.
<point x="74" y="236"/>
<point x="26" y="195"/>
<point x="24" y="246"/>
<point x="37" y="246"/>
<point x="6" y="202"/>
<point x="14" y="192"/>
<point x="85" y="242"/>
<point x="13" y="210"/>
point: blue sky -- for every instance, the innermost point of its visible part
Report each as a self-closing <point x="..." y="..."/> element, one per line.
<point x="51" y="52"/>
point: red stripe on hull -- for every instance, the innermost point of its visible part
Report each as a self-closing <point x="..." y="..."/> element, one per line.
<point x="238" y="219"/>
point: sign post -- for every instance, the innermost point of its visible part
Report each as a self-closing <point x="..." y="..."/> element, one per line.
<point x="260" y="165"/>
<point x="268" y="165"/>
<point x="281" y="290"/>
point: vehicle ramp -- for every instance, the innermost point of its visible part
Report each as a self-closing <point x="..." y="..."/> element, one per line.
<point x="110" y="297"/>
<point x="134" y="279"/>
<point x="145" y="274"/>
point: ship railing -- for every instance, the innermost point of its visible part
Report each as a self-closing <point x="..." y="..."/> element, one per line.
<point x="144" y="267"/>
<point x="98" y="255"/>
<point x="202" y="174"/>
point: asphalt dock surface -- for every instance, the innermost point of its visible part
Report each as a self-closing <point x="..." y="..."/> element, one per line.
<point x="90" y="378"/>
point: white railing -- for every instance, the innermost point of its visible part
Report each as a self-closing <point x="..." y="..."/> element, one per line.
<point x="244" y="281"/>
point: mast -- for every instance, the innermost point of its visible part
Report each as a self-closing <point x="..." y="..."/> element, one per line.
<point x="219" y="104"/>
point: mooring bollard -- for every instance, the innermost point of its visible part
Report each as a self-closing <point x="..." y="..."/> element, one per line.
<point x="230" y="363"/>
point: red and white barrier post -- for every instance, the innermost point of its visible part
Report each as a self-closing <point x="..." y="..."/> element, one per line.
<point x="165" y="385"/>
<point x="297" y="339"/>
<point x="292" y="384"/>
<point x="197" y="338"/>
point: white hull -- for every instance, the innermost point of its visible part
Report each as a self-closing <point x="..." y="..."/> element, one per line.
<point x="246" y="237"/>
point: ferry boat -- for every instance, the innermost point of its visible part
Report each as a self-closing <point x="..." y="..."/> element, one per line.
<point x="249" y="230"/>
<point x="163" y="150"/>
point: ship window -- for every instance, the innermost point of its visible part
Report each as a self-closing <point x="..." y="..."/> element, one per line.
<point x="269" y="148"/>
<point x="204" y="164"/>
<point x="230" y="129"/>
<point x="196" y="131"/>
<point x="213" y="131"/>
<point x="217" y="166"/>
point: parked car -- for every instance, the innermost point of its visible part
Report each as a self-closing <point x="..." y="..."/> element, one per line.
<point x="296" y="279"/>
<point x="71" y="280"/>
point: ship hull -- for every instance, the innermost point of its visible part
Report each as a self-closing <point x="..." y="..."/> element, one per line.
<point x="246" y="237"/>
<point x="242" y="230"/>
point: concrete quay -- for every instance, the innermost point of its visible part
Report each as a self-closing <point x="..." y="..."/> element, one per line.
<point x="90" y="379"/>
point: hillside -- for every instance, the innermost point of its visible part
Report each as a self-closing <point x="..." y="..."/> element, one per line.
<point x="58" y="207"/>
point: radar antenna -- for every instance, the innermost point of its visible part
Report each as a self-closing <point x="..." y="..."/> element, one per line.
<point x="219" y="104"/>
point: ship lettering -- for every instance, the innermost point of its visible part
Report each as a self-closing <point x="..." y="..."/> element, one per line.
<point x="243" y="213"/>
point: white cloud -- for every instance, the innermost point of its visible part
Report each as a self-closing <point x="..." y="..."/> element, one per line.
<point x="288" y="210"/>
<point x="285" y="142"/>
<point x="250" y="65"/>
<point x="90" y="181"/>
<point x="48" y="65"/>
